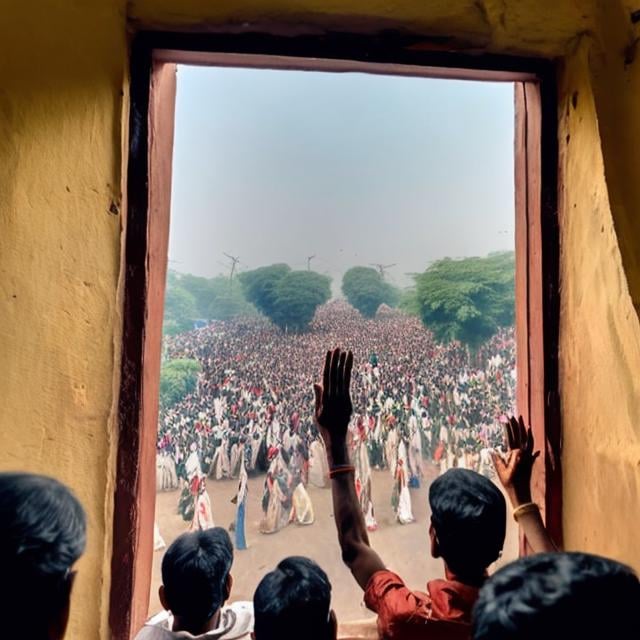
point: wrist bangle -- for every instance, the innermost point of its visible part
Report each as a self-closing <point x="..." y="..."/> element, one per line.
<point x="527" y="507"/>
<point x="340" y="469"/>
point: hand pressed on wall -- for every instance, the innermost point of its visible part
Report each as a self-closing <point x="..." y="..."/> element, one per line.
<point x="514" y="470"/>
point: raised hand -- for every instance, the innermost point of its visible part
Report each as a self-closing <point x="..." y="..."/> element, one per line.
<point x="514" y="469"/>
<point x="333" y="400"/>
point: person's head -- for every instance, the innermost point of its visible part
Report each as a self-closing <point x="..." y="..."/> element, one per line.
<point x="196" y="579"/>
<point x="559" y="595"/>
<point x="293" y="601"/>
<point x="42" y="535"/>
<point x="468" y="522"/>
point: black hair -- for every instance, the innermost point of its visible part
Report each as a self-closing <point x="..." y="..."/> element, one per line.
<point x="42" y="534"/>
<point x="293" y="601"/>
<point x="195" y="568"/>
<point x="560" y="595"/>
<point x="469" y="516"/>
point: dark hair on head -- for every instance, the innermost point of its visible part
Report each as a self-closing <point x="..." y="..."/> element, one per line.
<point x="194" y="574"/>
<point x="293" y="600"/>
<point x="469" y="515"/>
<point x="42" y="534"/>
<point x="559" y="595"/>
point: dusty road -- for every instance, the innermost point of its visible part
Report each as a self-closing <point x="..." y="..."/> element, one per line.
<point x="403" y="547"/>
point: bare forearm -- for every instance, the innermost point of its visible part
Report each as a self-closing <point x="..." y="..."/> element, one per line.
<point x="531" y="524"/>
<point x="357" y="554"/>
<point x="352" y="531"/>
<point x="536" y="533"/>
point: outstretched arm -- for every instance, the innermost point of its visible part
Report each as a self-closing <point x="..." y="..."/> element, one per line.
<point x="333" y="412"/>
<point x="514" y="472"/>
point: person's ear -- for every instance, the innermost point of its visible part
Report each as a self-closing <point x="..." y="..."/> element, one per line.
<point x="163" y="598"/>
<point x="58" y="624"/>
<point x="435" y="545"/>
<point x="227" y="587"/>
<point x="333" y="625"/>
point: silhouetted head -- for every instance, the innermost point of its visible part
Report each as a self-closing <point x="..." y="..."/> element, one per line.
<point x="559" y="595"/>
<point x="196" y="579"/>
<point x="294" y="601"/>
<point x="468" y="521"/>
<point x="42" y="535"/>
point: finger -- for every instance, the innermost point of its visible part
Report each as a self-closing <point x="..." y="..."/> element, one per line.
<point x="505" y="437"/>
<point x="341" y="363"/>
<point x="347" y="372"/>
<point x="518" y="434"/>
<point x="510" y="434"/>
<point x="529" y="441"/>
<point x="522" y="430"/>
<point x="514" y="460"/>
<point x="497" y="460"/>
<point x="333" y="373"/>
<point x="325" y="373"/>
<point x="317" y="390"/>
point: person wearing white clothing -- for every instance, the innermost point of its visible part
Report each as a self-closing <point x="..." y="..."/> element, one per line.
<point x="196" y="582"/>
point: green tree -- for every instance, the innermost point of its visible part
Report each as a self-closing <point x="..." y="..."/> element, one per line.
<point x="202" y="290"/>
<point x="178" y="378"/>
<point x="179" y="310"/>
<point x="288" y="298"/>
<point x="228" y="300"/>
<point x="409" y="302"/>
<point x="469" y="299"/>
<point x="259" y="286"/>
<point x="366" y="290"/>
<point x="297" y="296"/>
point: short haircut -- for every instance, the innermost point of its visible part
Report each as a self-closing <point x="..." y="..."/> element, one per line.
<point x="469" y="515"/>
<point x="195" y="568"/>
<point x="559" y="595"/>
<point x="42" y="534"/>
<point x="293" y="601"/>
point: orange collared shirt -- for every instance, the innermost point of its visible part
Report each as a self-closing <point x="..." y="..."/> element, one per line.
<point x="444" y="611"/>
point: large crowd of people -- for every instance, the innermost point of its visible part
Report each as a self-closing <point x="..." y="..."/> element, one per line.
<point x="414" y="400"/>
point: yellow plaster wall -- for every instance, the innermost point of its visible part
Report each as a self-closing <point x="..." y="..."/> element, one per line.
<point x="599" y="329"/>
<point x="497" y="25"/>
<point x="62" y="67"/>
<point x="63" y="108"/>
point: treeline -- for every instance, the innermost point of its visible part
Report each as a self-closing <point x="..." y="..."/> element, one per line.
<point x="466" y="299"/>
<point x="189" y="299"/>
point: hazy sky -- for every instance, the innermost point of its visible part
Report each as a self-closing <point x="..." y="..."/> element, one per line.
<point x="274" y="166"/>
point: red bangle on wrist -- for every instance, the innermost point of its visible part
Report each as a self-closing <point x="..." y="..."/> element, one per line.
<point x="340" y="469"/>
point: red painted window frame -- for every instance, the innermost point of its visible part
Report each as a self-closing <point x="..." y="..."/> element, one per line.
<point x="151" y="122"/>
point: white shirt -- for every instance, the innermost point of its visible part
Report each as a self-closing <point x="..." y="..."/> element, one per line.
<point x="236" y="623"/>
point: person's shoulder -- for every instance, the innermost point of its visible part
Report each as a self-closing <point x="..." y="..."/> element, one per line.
<point x="242" y="615"/>
<point x="402" y="612"/>
<point x="157" y="627"/>
<point x="387" y="590"/>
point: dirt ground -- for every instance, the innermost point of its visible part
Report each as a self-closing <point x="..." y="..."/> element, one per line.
<point x="404" y="548"/>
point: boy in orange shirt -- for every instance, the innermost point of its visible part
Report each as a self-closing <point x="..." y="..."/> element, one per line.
<point x="467" y="528"/>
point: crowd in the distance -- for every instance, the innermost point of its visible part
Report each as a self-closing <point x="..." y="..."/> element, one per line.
<point x="414" y="398"/>
<point x="253" y="374"/>
<point x="548" y="594"/>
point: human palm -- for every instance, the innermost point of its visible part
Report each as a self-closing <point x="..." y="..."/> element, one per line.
<point x="514" y="470"/>
<point x="333" y="406"/>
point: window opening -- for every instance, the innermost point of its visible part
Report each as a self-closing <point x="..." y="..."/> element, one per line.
<point x="393" y="194"/>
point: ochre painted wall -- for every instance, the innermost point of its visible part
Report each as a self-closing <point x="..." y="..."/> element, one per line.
<point x="599" y="335"/>
<point x="62" y="66"/>
<point x="63" y="115"/>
